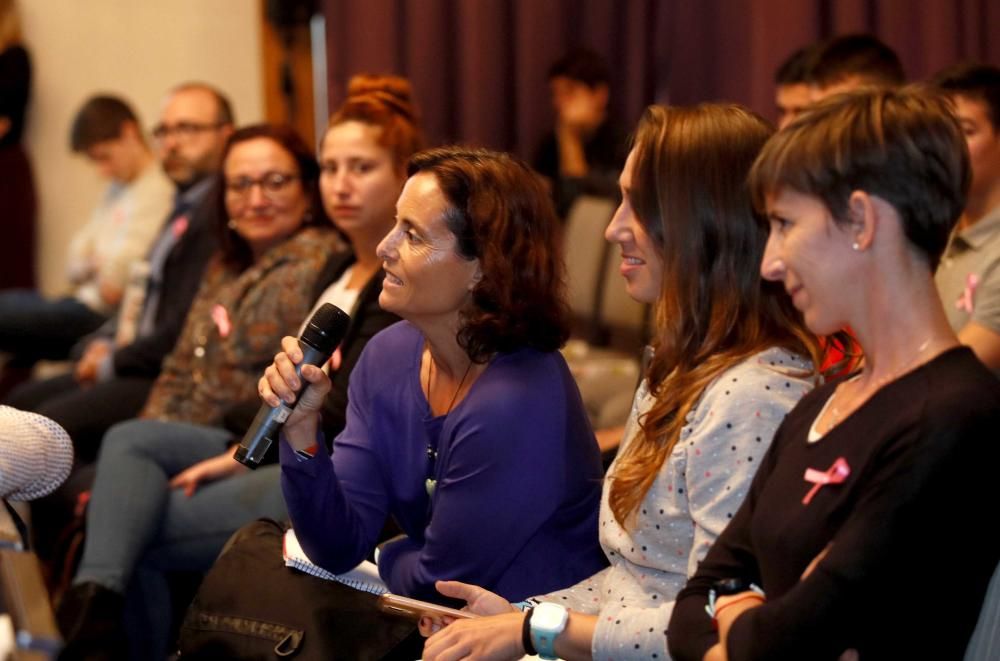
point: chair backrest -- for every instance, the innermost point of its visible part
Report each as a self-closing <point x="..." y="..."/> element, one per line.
<point x="586" y="253"/>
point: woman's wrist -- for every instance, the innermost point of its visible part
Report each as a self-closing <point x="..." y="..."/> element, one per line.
<point x="303" y="435"/>
<point x="728" y="609"/>
<point x="748" y="599"/>
<point x="575" y="641"/>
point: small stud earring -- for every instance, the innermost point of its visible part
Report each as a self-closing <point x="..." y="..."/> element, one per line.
<point x="856" y="246"/>
<point x="231" y="224"/>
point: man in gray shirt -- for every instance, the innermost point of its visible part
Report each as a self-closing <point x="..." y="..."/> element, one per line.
<point x="969" y="276"/>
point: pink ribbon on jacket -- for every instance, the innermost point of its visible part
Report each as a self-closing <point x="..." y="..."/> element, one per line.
<point x="835" y="474"/>
<point x="221" y="318"/>
<point x="179" y="226"/>
<point x="965" y="300"/>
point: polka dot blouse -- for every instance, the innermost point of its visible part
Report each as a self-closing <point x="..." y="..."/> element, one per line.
<point x="697" y="491"/>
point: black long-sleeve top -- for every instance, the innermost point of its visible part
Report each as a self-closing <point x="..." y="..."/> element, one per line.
<point x="911" y="546"/>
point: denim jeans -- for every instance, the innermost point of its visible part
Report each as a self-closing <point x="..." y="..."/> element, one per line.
<point x="138" y="529"/>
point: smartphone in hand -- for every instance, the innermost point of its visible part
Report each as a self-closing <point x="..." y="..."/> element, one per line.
<point x="415" y="609"/>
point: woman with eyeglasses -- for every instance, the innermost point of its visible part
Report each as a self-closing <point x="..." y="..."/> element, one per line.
<point x="257" y="288"/>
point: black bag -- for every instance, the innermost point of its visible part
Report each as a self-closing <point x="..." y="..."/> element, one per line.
<point x="251" y="606"/>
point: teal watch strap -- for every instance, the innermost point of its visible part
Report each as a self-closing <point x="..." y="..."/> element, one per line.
<point x="548" y="620"/>
<point x="545" y="645"/>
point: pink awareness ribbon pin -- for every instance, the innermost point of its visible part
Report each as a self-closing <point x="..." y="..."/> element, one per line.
<point x="965" y="300"/>
<point x="179" y="226"/>
<point x="836" y="474"/>
<point x="221" y="318"/>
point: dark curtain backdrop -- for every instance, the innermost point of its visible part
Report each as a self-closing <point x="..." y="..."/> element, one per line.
<point x="478" y="66"/>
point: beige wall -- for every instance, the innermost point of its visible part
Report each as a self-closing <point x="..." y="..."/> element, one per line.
<point x="135" y="48"/>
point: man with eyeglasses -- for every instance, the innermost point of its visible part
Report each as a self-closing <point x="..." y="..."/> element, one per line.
<point x="120" y="362"/>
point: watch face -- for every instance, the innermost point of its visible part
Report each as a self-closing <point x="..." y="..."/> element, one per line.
<point x="728" y="586"/>
<point x="548" y="617"/>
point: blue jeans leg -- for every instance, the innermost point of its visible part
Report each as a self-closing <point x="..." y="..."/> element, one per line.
<point x="131" y="492"/>
<point x="194" y="530"/>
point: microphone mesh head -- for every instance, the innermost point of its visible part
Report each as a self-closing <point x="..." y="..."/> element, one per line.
<point x="326" y="328"/>
<point x="36" y="455"/>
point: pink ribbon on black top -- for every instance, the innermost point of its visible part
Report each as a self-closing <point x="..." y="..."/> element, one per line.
<point x="835" y="474"/>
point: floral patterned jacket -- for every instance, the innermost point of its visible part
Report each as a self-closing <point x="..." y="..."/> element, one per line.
<point x="235" y="326"/>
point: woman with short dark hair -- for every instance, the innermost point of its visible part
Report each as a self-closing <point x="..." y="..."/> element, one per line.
<point x="852" y="537"/>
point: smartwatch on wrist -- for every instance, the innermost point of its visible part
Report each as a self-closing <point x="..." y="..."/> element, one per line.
<point x="727" y="586"/>
<point x="547" y="622"/>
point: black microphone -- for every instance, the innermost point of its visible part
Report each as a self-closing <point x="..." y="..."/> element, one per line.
<point x="318" y="341"/>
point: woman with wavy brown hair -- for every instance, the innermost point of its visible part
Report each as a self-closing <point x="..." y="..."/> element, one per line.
<point x="463" y="421"/>
<point x="732" y="356"/>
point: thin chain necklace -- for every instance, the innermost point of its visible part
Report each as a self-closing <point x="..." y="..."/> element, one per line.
<point x="836" y="414"/>
<point x="430" y="366"/>
<point x="430" y="483"/>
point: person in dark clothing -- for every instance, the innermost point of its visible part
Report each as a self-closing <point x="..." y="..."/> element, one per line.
<point x="17" y="186"/>
<point x="586" y="149"/>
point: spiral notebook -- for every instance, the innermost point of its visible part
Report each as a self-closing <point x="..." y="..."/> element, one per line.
<point x="363" y="577"/>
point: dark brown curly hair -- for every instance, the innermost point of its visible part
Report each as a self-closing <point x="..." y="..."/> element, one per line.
<point x="502" y="215"/>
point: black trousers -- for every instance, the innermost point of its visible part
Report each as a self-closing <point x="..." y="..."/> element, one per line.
<point x="86" y="412"/>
